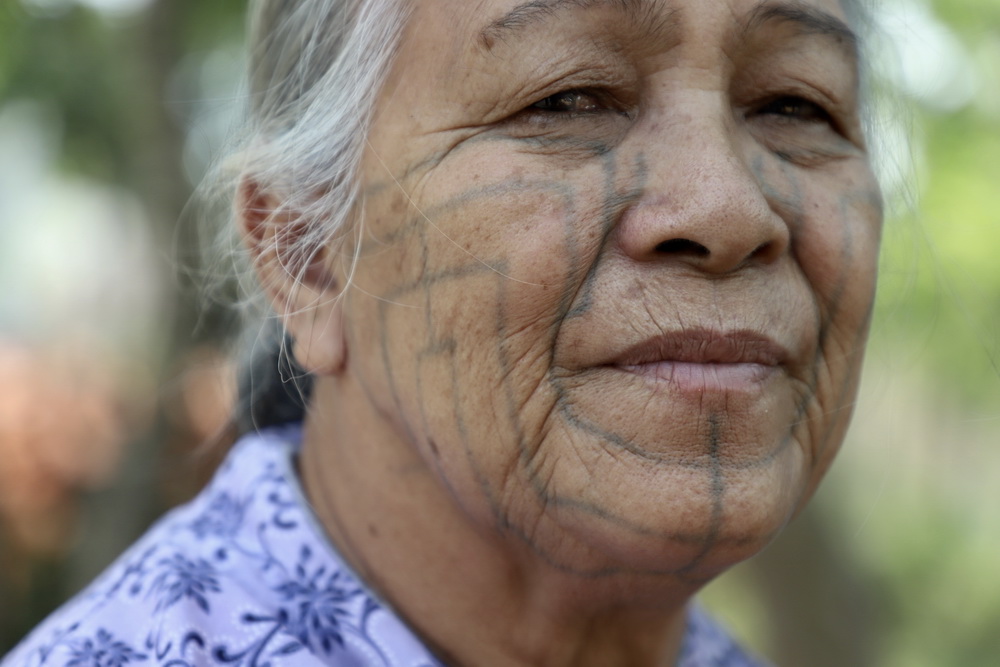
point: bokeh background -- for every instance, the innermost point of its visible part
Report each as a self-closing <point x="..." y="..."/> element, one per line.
<point x="116" y="380"/>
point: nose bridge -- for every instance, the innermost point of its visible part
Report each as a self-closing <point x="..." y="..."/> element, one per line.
<point x="699" y="167"/>
<point x="702" y="202"/>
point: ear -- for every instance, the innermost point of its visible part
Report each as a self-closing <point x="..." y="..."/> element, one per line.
<point x="299" y="281"/>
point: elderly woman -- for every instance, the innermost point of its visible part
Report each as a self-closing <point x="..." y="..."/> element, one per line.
<point x="583" y="287"/>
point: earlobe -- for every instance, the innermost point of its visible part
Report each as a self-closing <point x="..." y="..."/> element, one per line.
<point x="298" y="279"/>
<point x="320" y="344"/>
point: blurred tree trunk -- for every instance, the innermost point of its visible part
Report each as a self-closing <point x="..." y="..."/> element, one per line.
<point x="151" y="51"/>
<point x="121" y="120"/>
<point x="823" y="606"/>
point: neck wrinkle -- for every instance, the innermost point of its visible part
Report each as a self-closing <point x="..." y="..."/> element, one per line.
<point x="472" y="597"/>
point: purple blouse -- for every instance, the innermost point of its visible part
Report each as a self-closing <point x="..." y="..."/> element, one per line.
<point x="244" y="575"/>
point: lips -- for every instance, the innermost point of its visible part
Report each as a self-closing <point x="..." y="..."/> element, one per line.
<point x="703" y="346"/>
<point x="704" y="360"/>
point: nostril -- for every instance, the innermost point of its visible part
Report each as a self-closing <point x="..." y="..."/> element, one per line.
<point x="682" y="247"/>
<point x="763" y="250"/>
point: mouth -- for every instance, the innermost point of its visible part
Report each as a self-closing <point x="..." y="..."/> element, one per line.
<point x="704" y="361"/>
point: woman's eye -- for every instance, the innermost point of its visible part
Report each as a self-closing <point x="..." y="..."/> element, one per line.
<point x="800" y="130"/>
<point x="570" y="101"/>
<point x="796" y="108"/>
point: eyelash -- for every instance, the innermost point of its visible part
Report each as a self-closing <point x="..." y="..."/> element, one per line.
<point x="794" y="108"/>
<point x="788" y="113"/>
<point x="551" y="104"/>
<point x="789" y="107"/>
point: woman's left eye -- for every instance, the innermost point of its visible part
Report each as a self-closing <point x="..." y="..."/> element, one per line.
<point x="796" y="108"/>
<point x="569" y="101"/>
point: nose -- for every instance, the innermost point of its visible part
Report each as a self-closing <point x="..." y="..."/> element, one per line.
<point x="702" y="205"/>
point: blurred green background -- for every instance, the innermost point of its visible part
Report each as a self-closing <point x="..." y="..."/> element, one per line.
<point x="112" y="376"/>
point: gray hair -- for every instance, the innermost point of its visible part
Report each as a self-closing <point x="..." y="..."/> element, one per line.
<point x="316" y="68"/>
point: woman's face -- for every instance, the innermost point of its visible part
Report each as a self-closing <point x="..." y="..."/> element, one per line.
<point x="618" y="265"/>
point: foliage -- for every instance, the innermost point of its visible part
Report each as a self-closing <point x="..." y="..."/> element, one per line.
<point x="84" y="65"/>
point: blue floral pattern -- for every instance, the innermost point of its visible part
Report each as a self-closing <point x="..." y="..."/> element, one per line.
<point x="243" y="576"/>
<point x="181" y="578"/>
<point x="102" y="651"/>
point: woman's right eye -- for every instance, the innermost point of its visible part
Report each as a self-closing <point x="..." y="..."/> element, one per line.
<point x="569" y="101"/>
<point x="588" y="116"/>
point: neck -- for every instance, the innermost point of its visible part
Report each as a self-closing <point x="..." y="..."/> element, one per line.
<point x="474" y="594"/>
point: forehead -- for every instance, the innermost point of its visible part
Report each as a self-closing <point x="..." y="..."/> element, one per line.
<point x="486" y="23"/>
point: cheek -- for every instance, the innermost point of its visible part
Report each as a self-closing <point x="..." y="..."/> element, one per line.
<point x="535" y="235"/>
<point x="459" y="296"/>
<point x="837" y="251"/>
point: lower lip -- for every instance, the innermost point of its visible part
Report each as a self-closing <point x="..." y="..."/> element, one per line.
<point x="704" y="378"/>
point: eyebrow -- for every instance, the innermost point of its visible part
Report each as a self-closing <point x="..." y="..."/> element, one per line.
<point x="534" y="12"/>
<point x="808" y="20"/>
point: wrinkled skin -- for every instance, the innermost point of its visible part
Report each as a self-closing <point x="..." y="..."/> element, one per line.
<point x="610" y="305"/>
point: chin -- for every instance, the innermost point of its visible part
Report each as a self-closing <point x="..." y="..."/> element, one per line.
<point x="683" y="524"/>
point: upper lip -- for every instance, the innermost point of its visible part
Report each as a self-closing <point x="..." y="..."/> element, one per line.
<point x="705" y="346"/>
